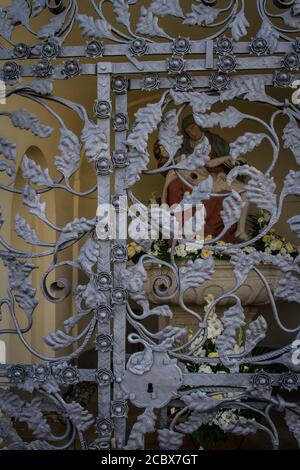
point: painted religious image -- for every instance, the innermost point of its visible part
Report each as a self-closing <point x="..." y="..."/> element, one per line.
<point x="218" y="167"/>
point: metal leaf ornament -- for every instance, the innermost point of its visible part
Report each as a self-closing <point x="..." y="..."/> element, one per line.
<point x="231" y="117"/>
<point x="34" y="173"/>
<point x="38" y="6"/>
<point x="148" y="24"/>
<point x="169" y="440"/>
<point x="293" y="422"/>
<point x="270" y="34"/>
<point x="250" y="88"/>
<point x="54" y="26"/>
<point x="145" y="424"/>
<point x="69" y="158"/>
<point x="291" y="137"/>
<point x="239" y="26"/>
<point x="23" y="119"/>
<point x="244" y="144"/>
<point x="31" y="199"/>
<point x="24" y="231"/>
<point x="195" y="273"/>
<point x="121" y="10"/>
<point x="201" y="15"/>
<point x="198" y="158"/>
<point x="99" y="29"/>
<point x="260" y="188"/>
<point x="147" y="120"/>
<point x="294" y="223"/>
<point x="166" y="7"/>
<point x="232" y="209"/>
<point x="10" y="171"/>
<point x="95" y="141"/>
<point x="168" y="133"/>
<point x="8" y="149"/>
<point x="200" y="101"/>
<point x="233" y="319"/>
<point x="18" y="12"/>
<point x="88" y="255"/>
<point x="255" y="333"/>
<point x="81" y="418"/>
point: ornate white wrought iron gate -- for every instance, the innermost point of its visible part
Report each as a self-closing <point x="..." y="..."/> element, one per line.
<point x="164" y="373"/>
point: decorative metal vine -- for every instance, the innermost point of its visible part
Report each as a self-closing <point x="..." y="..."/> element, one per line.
<point x="114" y="295"/>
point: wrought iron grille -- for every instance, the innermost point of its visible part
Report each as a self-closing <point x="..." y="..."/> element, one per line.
<point x="224" y="62"/>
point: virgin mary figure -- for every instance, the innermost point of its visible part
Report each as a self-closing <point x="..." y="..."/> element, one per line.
<point x="217" y="167"/>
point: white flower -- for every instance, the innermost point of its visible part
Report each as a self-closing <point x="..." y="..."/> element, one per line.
<point x="180" y="250"/>
<point x="224" y="418"/>
<point x="215" y="326"/>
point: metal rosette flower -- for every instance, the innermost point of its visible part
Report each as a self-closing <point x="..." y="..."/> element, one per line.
<point x="11" y="71"/>
<point x="71" y="68"/>
<point x="94" y="49"/>
<point x="43" y="68"/>
<point x="41" y="373"/>
<point x="120" y="159"/>
<point x="223" y="45"/>
<point x="289" y="381"/>
<point x="104" y="343"/>
<point x="181" y="45"/>
<point x="119" y="85"/>
<point x="103" y="166"/>
<point x="104" y="314"/>
<point x="138" y="47"/>
<point x="226" y="63"/>
<point x="120" y="122"/>
<point x="282" y="78"/>
<point x="104" y="377"/>
<point x="150" y="82"/>
<point x="103" y="281"/>
<point x="119" y="296"/>
<point x="119" y="253"/>
<point x="17" y="374"/>
<point x="21" y="51"/>
<point x="183" y="82"/>
<point x="50" y="49"/>
<point x="175" y="64"/>
<point x="102" y="109"/>
<point x="259" y="46"/>
<point x="291" y="61"/>
<point x="104" y="426"/>
<point x="261" y="382"/>
<point x="68" y="375"/>
<point x="219" y="81"/>
<point x="119" y="409"/>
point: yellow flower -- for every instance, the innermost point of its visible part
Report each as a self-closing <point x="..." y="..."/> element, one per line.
<point x="209" y="237"/>
<point x="138" y="248"/>
<point x="206" y="253"/>
<point x="221" y="243"/>
<point x="276" y="245"/>
<point x="267" y="239"/>
<point x="131" y="251"/>
<point x="213" y="355"/>
<point x="289" y="248"/>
